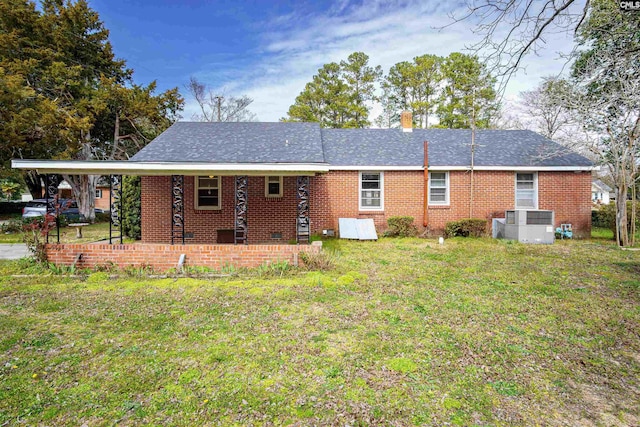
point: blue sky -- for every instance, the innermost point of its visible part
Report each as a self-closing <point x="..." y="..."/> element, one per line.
<point x="270" y="49"/>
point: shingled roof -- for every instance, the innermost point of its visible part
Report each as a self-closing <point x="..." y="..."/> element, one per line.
<point x="242" y="142"/>
<point x="306" y="143"/>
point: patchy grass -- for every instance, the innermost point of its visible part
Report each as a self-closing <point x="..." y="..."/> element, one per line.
<point x="10" y="237"/>
<point x="90" y="233"/>
<point x="399" y="332"/>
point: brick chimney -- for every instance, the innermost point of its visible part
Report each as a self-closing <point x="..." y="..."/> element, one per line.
<point x="406" y="121"/>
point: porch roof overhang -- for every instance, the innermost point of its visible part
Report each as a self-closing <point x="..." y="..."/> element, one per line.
<point x="116" y="167"/>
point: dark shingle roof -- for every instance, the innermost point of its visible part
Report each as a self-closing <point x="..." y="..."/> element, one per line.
<point x="307" y="143"/>
<point x="371" y="147"/>
<point x="452" y="147"/>
<point x="447" y="147"/>
<point x="246" y="142"/>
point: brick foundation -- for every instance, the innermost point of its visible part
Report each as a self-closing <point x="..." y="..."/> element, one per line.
<point x="162" y="257"/>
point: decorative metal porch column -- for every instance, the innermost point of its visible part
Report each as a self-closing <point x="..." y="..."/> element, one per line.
<point x="51" y="195"/>
<point x="303" y="225"/>
<point x="240" y="224"/>
<point x="115" y="206"/>
<point x="177" y="207"/>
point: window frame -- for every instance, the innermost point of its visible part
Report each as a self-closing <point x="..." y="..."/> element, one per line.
<point x="99" y="193"/>
<point x="381" y="189"/>
<point x="535" y="191"/>
<point x="446" y="192"/>
<point x="266" y="186"/>
<point x="196" y="197"/>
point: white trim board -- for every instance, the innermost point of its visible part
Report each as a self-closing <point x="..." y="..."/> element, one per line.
<point x="97" y="167"/>
<point x="517" y="168"/>
<point x="467" y="168"/>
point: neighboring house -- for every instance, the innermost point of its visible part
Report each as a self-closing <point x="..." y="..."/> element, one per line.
<point x="101" y="198"/>
<point x="207" y="183"/>
<point x="600" y="192"/>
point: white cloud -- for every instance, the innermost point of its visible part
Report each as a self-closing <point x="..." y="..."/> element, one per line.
<point x="296" y="45"/>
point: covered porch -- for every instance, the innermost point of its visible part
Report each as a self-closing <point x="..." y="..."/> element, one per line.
<point x="197" y="214"/>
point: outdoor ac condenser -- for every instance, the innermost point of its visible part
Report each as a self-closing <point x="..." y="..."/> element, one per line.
<point x="529" y="226"/>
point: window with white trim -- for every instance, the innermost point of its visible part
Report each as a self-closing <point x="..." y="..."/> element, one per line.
<point x="273" y="186"/>
<point x="371" y="191"/>
<point x="438" y="188"/>
<point x="208" y="192"/>
<point x="98" y="193"/>
<point x="526" y="190"/>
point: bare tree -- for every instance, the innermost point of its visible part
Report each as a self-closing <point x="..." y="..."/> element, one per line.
<point x="611" y="122"/>
<point x="606" y="97"/>
<point x="218" y="107"/>
<point x="542" y="111"/>
<point x="512" y="29"/>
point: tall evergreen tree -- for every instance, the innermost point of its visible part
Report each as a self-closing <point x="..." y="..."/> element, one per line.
<point x="337" y="96"/>
<point x="68" y="96"/>
<point x="414" y="86"/>
<point x="468" y="98"/>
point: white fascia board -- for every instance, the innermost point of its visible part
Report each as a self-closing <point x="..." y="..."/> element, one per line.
<point x="517" y="168"/>
<point x="376" y="168"/>
<point x="80" y="167"/>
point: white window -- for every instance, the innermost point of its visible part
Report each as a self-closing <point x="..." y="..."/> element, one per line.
<point x="371" y="191"/>
<point x="208" y="194"/>
<point x="98" y="194"/>
<point x="526" y="190"/>
<point x="273" y="186"/>
<point x="438" y="188"/>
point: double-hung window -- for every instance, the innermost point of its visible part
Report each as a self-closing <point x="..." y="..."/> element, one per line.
<point x="438" y="188"/>
<point x="208" y="192"/>
<point x="526" y="190"/>
<point x="371" y="191"/>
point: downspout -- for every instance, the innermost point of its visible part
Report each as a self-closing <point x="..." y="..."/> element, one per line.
<point x="425" y="220"/>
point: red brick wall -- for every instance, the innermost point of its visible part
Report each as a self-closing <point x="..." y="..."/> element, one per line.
<point x="265" y="215"/>
<point x="566" y="193"/>
<point x="162" y="257"/>
<point x="335" y="195"/>
<point x="103" y="202"/>
<point x="569" y="195"/>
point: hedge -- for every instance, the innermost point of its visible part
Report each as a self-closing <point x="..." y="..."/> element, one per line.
<point x="468" y="227"/>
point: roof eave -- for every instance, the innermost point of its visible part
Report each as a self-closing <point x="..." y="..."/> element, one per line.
<point x="95" y="167"/>
<point x="518" y="168"/>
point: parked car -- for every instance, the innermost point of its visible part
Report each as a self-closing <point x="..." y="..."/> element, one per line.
<point x="38" y="207"/>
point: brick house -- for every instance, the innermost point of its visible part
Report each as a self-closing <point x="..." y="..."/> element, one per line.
<point x="101" y="196"/>
<point x="272" y="183"/>
<point x="371" y="173"/>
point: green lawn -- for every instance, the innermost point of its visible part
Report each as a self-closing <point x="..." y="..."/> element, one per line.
<point x="401" y="332"/>
<point x="91" y="233"/>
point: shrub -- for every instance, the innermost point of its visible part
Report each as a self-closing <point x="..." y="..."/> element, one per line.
<point x="35" y="236"/>
<point x="606" y="216"/>
<point x="14" y="225"/>
<point x="469" y="227"/>
<point x="401" y="226"/>
<point x="103" y="217"/>
<point x="131" y="207"/>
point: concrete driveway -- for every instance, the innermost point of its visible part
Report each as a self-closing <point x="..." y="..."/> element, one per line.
<point x="13" y="251"/>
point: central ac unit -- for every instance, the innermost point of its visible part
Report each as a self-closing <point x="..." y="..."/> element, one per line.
<point x="529" y="226"/>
